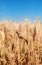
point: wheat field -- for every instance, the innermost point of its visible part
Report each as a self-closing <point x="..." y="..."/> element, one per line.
<point x="20" y="43"/>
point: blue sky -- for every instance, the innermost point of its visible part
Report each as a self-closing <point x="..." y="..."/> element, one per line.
<point x="18" y="10"/>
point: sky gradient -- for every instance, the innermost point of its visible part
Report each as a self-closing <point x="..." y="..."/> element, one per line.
<point x="18" y="10"/>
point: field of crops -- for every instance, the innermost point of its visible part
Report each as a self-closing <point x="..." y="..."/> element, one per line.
<point x="20" y="43"/>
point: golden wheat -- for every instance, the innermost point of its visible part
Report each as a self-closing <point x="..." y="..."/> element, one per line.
<point x="20" y="43"/>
